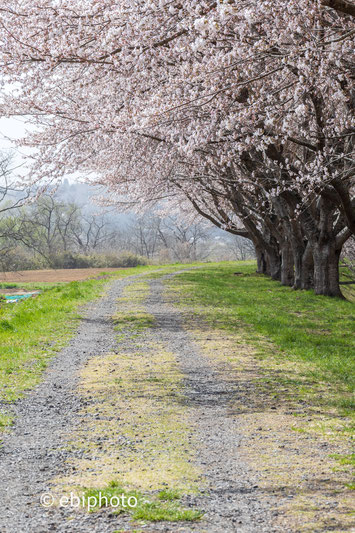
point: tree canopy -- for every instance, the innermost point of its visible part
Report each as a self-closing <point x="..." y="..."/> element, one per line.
<point x="243" y="111"/>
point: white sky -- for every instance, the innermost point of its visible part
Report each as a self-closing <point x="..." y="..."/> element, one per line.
<point x="12" y="129"/>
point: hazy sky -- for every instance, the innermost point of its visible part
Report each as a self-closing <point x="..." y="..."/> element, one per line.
<point x="10" y="130"/>
<point x="10" y="127"/>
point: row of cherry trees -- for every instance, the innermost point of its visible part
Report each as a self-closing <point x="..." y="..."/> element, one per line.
<point x="243" y="110"/>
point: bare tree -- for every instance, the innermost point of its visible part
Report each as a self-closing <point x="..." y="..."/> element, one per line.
<point x="146" y="236"/>
<point x="242" y="248"/>
<point x="186" y="241"/>
<point x="50" y="227"/>
<point x="12" y="196"/>
<point x="93" y="233"/>
<point x="45" y="228"/>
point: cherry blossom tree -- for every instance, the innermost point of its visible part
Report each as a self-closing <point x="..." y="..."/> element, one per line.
<point x="242" y="110"/>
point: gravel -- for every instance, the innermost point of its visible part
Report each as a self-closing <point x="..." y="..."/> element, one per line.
<point x="231" y="502"/>
<point x="33" y="452"/>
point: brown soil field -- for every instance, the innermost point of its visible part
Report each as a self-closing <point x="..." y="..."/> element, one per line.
<point x="53" y="276"/>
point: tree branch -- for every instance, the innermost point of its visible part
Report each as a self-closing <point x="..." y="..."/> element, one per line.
<point x="341" y="5"/>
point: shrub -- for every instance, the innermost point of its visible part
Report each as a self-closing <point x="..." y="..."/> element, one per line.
<point x="72" y="260"/>
<point x="17" y="259"/>
<point x="124" y="259"/>
<point x="76" y="260"/>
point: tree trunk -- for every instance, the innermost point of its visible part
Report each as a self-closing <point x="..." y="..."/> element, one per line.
<point x="326" y="269"/>
<point x="297" y="260"/>
<point x="273" y="264"/>
<point x="304" y="267"/>
<point x="307" y="269"/>
<point x="287" y="265"/>
<point x="260" y="259"/>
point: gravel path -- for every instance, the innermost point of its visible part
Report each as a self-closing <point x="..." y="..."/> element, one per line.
<point x="33" y="452"/>
<point x="231" y="501"/>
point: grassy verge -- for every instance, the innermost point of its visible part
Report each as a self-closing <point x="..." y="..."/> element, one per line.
<point x="291" y="354"/>
<point x="30" y="286"/>
<point x="33" y="330"/>
<point x="302" y="327"/>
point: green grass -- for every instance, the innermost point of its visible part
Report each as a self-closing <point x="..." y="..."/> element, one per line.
<point x="151" y="508"/>
<point x="31" y="331"/>
<point x="34" y="330"/>
<point x="347" y="463"/>
<point x="348" y="459"/>
<point x="169" y="495"/>
<point x="31" y="286"/>
<point x="5" y="420"/>
<point x="302" y="327"/>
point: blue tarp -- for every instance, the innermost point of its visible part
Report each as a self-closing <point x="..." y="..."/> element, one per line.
<point x="13" y="298"/>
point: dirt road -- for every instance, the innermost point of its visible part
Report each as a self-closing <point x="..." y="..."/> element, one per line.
<point x="75" y="428"/>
